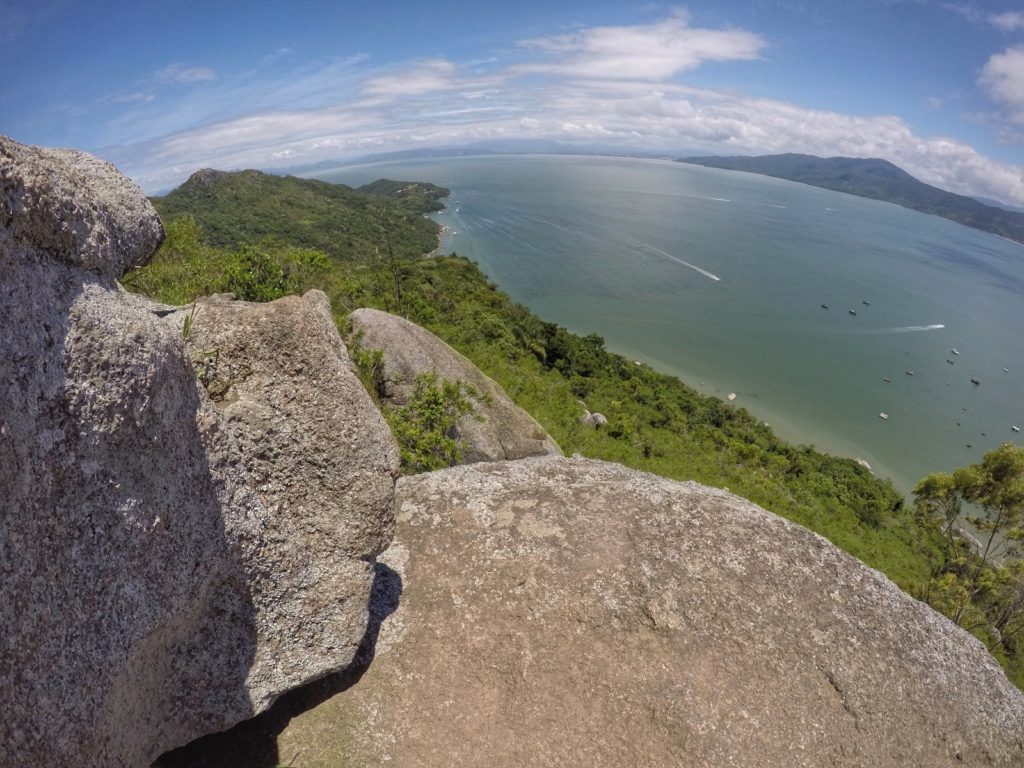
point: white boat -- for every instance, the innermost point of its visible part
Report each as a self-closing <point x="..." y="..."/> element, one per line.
<point x="954" y="351"/>
<point x="1015" y="428"/>
<point x="883" y="415"/>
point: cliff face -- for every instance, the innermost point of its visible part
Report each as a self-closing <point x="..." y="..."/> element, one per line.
<point x="167" y="568"/>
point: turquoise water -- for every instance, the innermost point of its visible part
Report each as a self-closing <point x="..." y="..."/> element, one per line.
<point x="719" y="278"/>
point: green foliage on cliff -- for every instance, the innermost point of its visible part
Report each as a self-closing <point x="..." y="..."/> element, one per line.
<point x="425" y="426"/>
<point x="245" y="206"/>
<point x="186" y="267"/>
<point x="418" y="195"/>
<point x="981" y="588"/>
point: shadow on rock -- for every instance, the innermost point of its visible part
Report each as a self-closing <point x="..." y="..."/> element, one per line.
<point x="253" y="743"/>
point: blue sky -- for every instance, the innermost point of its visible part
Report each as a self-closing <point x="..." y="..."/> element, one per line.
<point x="163" y="88"/>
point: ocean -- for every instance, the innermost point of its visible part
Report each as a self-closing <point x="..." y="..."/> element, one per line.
<point x="723" y="279"/>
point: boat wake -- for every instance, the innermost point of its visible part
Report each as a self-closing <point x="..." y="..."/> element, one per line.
<point x="915" y="328"/>
<point x="694" y="267"/>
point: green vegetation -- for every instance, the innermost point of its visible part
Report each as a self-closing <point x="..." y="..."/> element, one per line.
<point x="655" y="422"/>
<point x="186" y="267"/>
<point x="419" y="195"/>
<point x="981" y="588"/>
<point x="246" y="206"/>
<point x="425" y="426"/>
<point x="879" y="180"/>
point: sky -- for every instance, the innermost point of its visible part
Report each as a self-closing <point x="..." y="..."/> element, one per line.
<point x="162" y="89"/>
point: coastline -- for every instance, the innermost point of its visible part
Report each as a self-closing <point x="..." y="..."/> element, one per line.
<point x="570" y="250"/>
<point x="442" y="231"/>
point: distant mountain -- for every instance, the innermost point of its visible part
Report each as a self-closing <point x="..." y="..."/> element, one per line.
<point x="997" y="204"/>
<point x="234" y="207"/>
<point x="488" y="147"/>
<point x="382" y="157"/>
<point x="878" y="180"/>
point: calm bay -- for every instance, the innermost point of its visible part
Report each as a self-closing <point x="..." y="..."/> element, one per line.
<point x="721" y="277"/>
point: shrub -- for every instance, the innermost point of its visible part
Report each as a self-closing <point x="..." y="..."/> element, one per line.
<point x="425" y="426"/>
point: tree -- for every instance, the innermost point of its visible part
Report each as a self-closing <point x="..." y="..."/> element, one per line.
<point x="939" y="502"/>
<point x="982" y="589"/>
<point x="997" y="486"/>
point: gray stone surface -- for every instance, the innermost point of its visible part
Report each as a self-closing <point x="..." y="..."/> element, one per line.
<point x="168" y="565"/>
<point x="495" y="429"/>
<point x="323" y="463"/>
<point x="71" y="207"/>
<point x="564" y="612"/>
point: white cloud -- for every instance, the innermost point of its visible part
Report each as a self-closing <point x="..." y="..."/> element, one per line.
<point x="143" y="97"/>
<point x="276" y="56"/>
<point x="1003" y="78"/>
<point x="968" y="11"/>
<point x="424" y="77"/>
<point x="179" y="73"/>
<point x="1009" y="21"/>
<point x="567" y="93"/>
<point x="647" y="52"/>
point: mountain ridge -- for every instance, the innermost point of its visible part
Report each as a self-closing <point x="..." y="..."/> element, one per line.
<point x="875" y="179"/>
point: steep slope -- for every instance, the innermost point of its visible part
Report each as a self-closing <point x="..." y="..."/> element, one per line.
<point x="878" y="180"/>
<point x="347" y="224"/>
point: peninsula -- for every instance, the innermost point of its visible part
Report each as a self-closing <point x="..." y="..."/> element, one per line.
<point x="879" y="180"/>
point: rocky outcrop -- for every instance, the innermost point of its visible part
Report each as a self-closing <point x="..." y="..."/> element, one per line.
<point x="322" y="462"/>
<point x="571" y="612"/>
<point x="495" y="429"/>
<point x="171" y="558"/>
<point x="72" y="208"/>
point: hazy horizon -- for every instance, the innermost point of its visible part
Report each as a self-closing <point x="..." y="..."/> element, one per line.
<point x="935" y="87"/>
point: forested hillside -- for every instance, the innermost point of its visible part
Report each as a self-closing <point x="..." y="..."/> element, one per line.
<point x="242" y="206"/>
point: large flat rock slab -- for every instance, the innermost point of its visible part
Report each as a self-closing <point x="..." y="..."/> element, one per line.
<point x="570" y="612"/>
